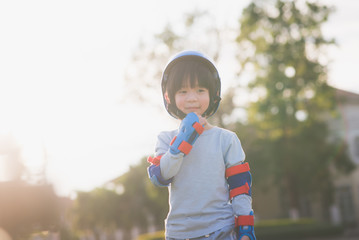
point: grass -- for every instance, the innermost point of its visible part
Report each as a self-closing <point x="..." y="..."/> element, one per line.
<point x="279" y="229"/>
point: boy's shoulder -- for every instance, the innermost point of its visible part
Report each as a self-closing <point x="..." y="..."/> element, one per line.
<point x="167" y="135"/>
<point x="168" y="132"/>
<point x="224" y="131"/>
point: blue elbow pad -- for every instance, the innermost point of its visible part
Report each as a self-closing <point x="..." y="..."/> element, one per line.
<point x="154" y="172"/>
<point x="239" y="180"/>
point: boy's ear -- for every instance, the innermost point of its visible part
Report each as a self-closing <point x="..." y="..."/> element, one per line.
<point x="167" y="98"/>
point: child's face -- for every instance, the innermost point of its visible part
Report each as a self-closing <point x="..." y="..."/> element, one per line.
<point x="190" y="99"/>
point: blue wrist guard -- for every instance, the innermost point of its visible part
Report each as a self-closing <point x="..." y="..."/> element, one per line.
<point x="188" y="133"/>
<point x="245" y="226"/>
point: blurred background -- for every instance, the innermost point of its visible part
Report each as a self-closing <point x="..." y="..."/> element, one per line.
<point x="81" y="107"/>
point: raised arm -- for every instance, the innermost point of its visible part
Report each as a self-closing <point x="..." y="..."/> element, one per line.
<point x="169" y="155"/>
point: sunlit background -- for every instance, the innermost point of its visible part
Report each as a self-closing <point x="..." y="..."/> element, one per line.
<point x="63" y="99"/>
<point x="81" y="107"/>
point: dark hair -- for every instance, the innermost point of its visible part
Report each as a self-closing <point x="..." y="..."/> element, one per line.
<point x="195" y="72"/>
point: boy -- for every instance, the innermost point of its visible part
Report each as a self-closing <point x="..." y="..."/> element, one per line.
<point x="209" y="186"/>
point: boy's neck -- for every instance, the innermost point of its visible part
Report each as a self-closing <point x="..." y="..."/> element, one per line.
<point x="208" y="126"/>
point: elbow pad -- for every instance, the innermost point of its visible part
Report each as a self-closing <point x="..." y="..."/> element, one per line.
<point x="154" y="172"/>
<point x="239" y="180"/>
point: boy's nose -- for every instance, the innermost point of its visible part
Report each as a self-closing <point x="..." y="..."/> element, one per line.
<point x="191" y="96"/>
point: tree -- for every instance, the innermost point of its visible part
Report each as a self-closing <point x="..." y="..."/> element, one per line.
<point x="284" y="47"/>
<point x="26" y="209"/>
<point x="285" y="135"/>
<point x="12" y="165"/>
<point x="197" y="31"/>
<point x="146" y="204"/>
<point x="97" y="210"/>
<point x="131" y="202"/>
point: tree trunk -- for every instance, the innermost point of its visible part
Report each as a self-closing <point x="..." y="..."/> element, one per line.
<point x="293" y="199"/>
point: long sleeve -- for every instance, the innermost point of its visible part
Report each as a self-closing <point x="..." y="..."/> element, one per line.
<point x="242" y="205"/>
<point x="170" y="163"/>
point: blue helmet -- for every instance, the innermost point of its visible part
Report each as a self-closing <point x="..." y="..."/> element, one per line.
<point x="196" y="56"/>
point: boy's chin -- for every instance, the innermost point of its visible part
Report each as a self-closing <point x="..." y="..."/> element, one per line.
<point x="196" y="112"/>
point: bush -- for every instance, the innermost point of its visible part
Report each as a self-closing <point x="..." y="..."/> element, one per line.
<point x="279" y="229"/>
<point x="160" y="235"/>
<point x="290" y="229"/>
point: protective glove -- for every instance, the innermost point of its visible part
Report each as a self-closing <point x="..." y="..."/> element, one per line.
<point x="245" y="226"/>
<point x="188" y="132"/>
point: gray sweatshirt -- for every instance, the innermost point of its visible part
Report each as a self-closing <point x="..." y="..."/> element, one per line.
<point x="199" y="195"/>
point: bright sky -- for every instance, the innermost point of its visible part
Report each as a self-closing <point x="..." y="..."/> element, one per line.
<point x="61" y="80"/>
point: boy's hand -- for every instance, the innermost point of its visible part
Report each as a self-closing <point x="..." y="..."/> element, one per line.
<point x="245" y="238"/>
<point x="246" y="233"/>
<point x="203" y="121"/>
<point x="188" y="133"/>
<point x="245" y="227"/>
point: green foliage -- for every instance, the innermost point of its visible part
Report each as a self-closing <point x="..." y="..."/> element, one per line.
<point x="286" y="47"/>
<point x="143" y="198"/>
<point x="289" y="144"/>
<point x="152" y="236"/>
<point x="196" y="31"/>
<point x="138" y="204"/>
<point x="289" y="229"/>
<point x="67" y="234"/>
<point x="100" y="208"/>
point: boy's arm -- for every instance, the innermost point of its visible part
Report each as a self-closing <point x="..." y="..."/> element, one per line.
<point x="239" y="181"/>
<point x="244" y="220"/>
<point x="165" y="167"/>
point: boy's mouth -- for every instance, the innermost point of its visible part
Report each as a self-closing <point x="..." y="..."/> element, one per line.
<point x="192" y="108"/>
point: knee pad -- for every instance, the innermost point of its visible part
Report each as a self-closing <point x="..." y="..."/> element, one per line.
<point x="239" y="180"/>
